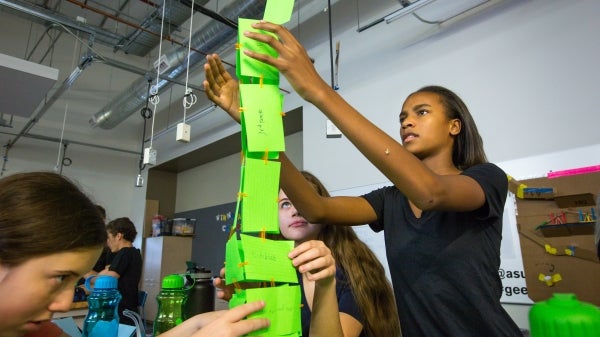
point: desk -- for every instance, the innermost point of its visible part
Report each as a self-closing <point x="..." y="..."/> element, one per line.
<point x="78" y="311"/>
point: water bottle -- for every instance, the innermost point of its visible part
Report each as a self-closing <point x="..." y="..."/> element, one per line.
<point x="201" y="291"/>
<point x="564" y="316"/>
<point x="102" y="319"/>
<point x="170" y="300"/>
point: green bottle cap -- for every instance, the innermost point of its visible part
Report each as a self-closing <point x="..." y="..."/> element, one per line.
<point x="564" y="316"/>
<point x="173" y="281"/>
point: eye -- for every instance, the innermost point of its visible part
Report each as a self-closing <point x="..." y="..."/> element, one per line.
<point x="401" y="118"/>
<point x="285" y="204"/>
<point x="422" y="112"/>
<point x="61" y="278"/>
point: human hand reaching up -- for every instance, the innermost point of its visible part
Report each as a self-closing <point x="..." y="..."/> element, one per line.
<point x="220" y="87"/>
<point x="292" y="61"/>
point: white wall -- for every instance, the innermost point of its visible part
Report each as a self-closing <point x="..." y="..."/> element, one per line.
<point x="106" y="176"/>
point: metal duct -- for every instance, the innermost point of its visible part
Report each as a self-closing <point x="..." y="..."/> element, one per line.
<point x="209" y="39"/>
<point x="44" y="15"/>
<point x="141" y="42"/>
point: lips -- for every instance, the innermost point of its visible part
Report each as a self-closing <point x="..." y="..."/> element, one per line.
<point x="297" y="224"/>
<point x="409" y="137"/>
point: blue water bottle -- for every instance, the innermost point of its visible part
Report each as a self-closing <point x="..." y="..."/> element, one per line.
<point x="102" y="319"/>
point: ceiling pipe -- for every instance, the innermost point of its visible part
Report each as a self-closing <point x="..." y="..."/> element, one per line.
<point x="45" y="15"/>
<point x="140" y="71"/>
<point x="212" y="38"/>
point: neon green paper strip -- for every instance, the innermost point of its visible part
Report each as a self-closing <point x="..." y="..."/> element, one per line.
<point x="262" y="117"/>
<point x="248" y="66"/>
<point x="267" y="260"/>
<point x="238" y="298"/>
<point x="279" y="11"/>
<point x="233" y="261"/>
<point x="282" y="308"/>
<point x="260" y="191"/>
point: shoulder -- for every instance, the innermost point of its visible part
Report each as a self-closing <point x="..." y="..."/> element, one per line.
<point x="488" y="175"/>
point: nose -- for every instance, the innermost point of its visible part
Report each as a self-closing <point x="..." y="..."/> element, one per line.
<point x="62" y="302"/>
<point x="407" y="122"/>
<point x="294" y="211"/>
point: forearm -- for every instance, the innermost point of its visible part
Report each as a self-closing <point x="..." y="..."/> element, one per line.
<point x="325" y="318"/>
<point x="299" y="190"/>
<point x="401" y="167"/>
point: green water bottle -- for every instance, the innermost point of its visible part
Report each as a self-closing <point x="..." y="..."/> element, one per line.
<point x="564" y="316"/>
<point x="171" y="300"/>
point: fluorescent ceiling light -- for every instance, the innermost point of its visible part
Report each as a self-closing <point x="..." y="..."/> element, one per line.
<point x="407" y="10"/>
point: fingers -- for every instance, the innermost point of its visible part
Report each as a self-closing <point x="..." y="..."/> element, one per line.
<point x="224" y="291"/>
<point x="244" y="310"/>
<point x="249" y="325"/>
<point x="314" y="258"/>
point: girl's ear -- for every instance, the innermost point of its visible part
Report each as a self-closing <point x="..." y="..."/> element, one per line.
<point x="455" y="126"/>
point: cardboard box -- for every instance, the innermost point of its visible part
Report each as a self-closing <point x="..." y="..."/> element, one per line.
<point x="561" y="259"/>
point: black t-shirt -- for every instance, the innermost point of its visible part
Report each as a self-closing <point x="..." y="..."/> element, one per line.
<point x="104" y="260"/>
<point x="444" y="265"/>
<point x="127" y="262"/>
<point x="346" y="302"/>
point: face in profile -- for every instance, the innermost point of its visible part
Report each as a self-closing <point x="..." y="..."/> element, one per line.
<point x="292" y="225"/>
<point x="32" y="291"/>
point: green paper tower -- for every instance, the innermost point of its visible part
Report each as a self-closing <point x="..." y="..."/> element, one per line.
<point x="258" y="267"/>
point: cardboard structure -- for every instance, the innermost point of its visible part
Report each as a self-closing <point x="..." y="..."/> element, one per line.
<point x="557" y="237"/>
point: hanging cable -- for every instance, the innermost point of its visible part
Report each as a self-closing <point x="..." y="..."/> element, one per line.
<point x="154" y="98"/>
<point x="62" y="131"/>
<point x="189" y="99"/>
<point x="146" y="113"/>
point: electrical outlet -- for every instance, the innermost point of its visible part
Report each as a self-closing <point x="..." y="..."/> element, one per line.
<point x="183" y="132"/>
<point x="149" y="156"/>
<point x="332" y="131"/>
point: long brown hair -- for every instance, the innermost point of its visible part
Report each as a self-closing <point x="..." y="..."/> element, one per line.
<point x="370" y="287"/>
<point x="43" y="213"/>
<point x="468" y="145"/>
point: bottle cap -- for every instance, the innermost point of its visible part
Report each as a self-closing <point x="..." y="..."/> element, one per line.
<point x="105" y="282"/>
<point x="563" y="315"/>
<point x="172" y="281"/>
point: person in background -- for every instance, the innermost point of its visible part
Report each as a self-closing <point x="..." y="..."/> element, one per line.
<point x="50" y="235"/>
<point x="104" y="260"/>
<point x="357" y="299"/>
<point x="126" y="264"/>
<point x="442" y="218"/>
